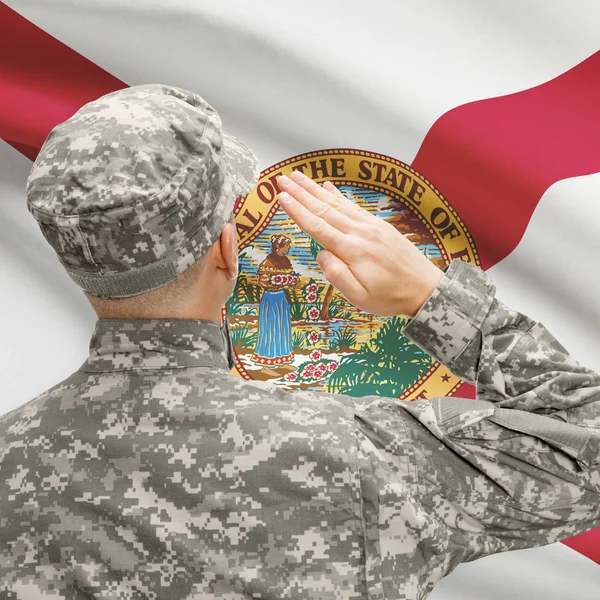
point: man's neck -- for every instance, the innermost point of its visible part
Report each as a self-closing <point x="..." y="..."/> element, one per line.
<point x="194" y="313"/>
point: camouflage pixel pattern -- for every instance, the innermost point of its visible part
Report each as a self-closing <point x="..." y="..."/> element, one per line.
<point x="136" y="186"/>
<point x="152" y="472"/>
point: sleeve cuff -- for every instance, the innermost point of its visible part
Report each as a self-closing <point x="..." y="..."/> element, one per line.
<point x="453" y="314"/>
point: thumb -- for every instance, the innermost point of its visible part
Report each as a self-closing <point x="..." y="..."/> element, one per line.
<point x="341" y="277"/>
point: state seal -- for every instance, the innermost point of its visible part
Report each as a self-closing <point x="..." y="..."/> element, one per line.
<point x="290" y="326"/>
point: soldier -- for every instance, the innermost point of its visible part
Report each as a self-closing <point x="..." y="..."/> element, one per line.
<point x="153" y="472"/>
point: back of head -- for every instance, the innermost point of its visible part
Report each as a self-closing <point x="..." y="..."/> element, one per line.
<point x="176" y="299"/>
<point x="134" y="189"/>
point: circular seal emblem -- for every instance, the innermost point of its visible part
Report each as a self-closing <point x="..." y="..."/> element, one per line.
<point x="290" y="326"/>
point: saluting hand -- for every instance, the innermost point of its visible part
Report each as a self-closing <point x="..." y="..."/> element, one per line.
<point x="368" y="260"/>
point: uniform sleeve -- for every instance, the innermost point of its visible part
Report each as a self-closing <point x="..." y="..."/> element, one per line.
<point x="520" y="465"/>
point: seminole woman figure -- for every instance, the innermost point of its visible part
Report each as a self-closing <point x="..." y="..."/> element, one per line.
<point x="274" y="348"/>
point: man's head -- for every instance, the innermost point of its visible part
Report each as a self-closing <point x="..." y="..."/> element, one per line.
<point x="135" y="190"/>
<point x="198" y="293"/>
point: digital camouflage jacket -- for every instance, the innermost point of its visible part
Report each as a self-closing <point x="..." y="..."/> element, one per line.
<point x="154" y="473"/>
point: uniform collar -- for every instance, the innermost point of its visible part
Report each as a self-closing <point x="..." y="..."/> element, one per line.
<point x="125" y="344"/>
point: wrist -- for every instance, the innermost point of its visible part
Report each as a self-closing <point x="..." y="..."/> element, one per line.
<point x="424" y="289"/>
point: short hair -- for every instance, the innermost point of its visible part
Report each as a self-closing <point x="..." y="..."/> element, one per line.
<point x="160" y="300"/>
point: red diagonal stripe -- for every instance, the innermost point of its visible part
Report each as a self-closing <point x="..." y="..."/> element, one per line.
<point x="43" y="82"/>
<point x="494" y="159"/>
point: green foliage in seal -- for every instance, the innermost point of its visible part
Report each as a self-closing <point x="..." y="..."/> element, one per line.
<point x="384" y="366"/>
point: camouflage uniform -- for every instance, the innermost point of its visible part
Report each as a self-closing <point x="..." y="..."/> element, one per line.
<point x="153" y="472"/>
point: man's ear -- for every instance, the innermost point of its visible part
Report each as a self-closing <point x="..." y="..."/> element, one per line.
<point x="227" y="250"/>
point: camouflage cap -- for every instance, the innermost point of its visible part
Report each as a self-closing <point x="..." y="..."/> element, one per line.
<point x="136" y="186"/>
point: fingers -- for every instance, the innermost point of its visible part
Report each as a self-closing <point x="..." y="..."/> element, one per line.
<point x="349" y="208"/>
<point x="341" y="277"/>
<point x="309" y="194"/>
<point x="316" y="227"/>
<point x="331" y="195"/>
